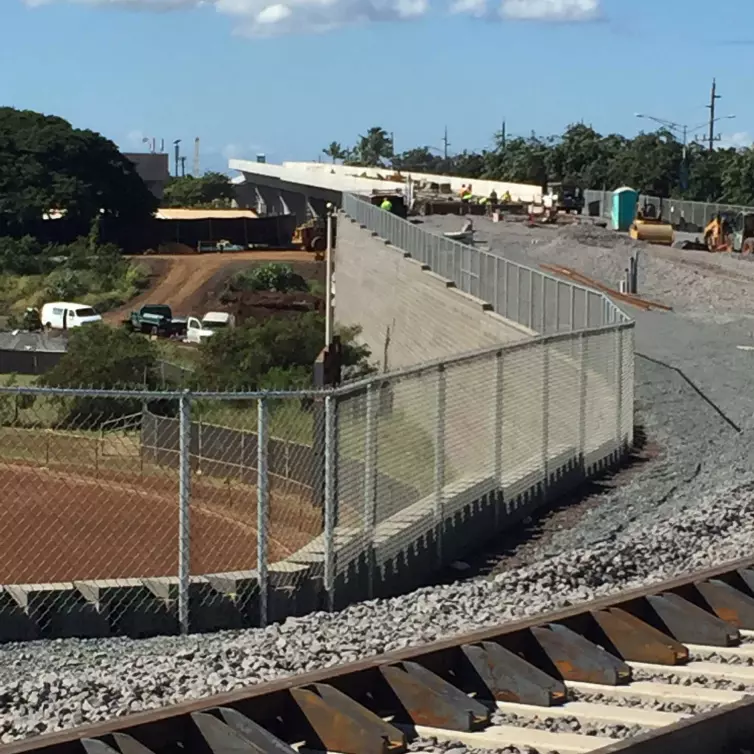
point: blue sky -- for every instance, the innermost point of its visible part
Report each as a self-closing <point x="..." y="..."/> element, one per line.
<point x="287" y="77"/>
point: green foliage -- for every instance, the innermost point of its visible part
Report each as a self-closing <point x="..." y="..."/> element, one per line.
<point x="95" y="274"/>
<point x="99" y="356"/>
<point x="276" y="354"/>
<point x="335" y="151"/>
<point x="651" y="162"/>
<point x="47" y="164"/>
<point x="103" y="357"/>
<point x="210" y="190"/>
<point x="373" y="149"/>
<point x="269" y="277"/>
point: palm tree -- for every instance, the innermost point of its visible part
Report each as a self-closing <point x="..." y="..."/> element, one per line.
<point x="374" y="147"/>
<point x="336" y="151"/>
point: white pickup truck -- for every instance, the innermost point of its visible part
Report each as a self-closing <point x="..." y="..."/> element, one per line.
<point x="197" y="331"/>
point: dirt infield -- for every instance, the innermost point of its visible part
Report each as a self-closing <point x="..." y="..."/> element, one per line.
<point x="59" y="526"/>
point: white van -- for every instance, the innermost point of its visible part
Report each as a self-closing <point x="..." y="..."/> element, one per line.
<point x="62" y="315"/>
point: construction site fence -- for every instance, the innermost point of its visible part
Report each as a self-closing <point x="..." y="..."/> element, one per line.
<point x="529" y="297"/>
<point x="684" y="215"/>
<point x="189" y="496"/>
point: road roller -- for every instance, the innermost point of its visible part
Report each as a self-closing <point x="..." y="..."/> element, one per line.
<point x="649" y="227"/>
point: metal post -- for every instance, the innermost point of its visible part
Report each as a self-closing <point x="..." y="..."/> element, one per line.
<point x="546" y="418"/>
<point x="328" y="280"/>
<point x="440" y="459"/>
<point x="557" y="306"/>
<point x="542" y="303"/>
<point x="184" y="511"/>
<point x="370" y="482"/>
<point x="263" y="509"/>
<point x="582" y="396"/>
<point x="572" y="306"/>
<point x="518" y="295"/>
<point x="496" y="281"/>
<point x="506" y="267"/>
<point x="587" y="307"/>
<point x="619" y="390"/>
<point x="330" y="501"/>
<point x="531" y="300"/>
<point x="498" y="441"/>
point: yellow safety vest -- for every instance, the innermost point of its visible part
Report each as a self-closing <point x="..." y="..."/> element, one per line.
<point x="387" y="205"/>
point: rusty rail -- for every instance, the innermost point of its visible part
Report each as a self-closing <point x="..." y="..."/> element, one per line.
<point x="377" y="705"/>
<point x="628" y="298"/>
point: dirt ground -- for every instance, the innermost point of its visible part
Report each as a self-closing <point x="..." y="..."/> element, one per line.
<point x="192" y="284"/>
<point x="62" y="526"/>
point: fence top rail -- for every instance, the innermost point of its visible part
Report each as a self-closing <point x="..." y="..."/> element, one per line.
<point x="545" y="275"/>
<point x="469" y="356"/>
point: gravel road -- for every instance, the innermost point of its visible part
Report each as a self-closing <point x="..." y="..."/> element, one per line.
<point x="690" y="507"/>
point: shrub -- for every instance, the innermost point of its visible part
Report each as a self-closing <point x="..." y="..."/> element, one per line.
<point x="269" y="277"/>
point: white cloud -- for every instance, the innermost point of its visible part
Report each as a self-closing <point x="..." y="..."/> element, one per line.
<point x="550" y="10"/>
<point x="270" y="17"/>
<point x="736" y="140"/>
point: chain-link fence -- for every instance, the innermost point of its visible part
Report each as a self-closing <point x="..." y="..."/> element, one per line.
<point x="684" y="215"/>
<point x="532" y="298"/>
<point x="139" y="513"/>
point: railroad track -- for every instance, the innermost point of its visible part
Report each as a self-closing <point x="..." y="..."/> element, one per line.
<point x="652" y="671"/>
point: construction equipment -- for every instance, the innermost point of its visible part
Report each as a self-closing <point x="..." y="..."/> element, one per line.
<point x="312" y="236"/>
<point x="718" y="233"/>
<point x="743" y="234"/>
<point x="570" y="198"/>
<point x="651" y="228"/>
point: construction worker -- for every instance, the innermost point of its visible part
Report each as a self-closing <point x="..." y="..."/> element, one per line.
<point x="387" y="205"/>
<point x="467" y="195"/>
<point x="507" y="197"/>
<point x="493" y="197"/>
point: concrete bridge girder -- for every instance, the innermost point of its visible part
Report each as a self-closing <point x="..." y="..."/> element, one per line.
<point x="269" y="195"/>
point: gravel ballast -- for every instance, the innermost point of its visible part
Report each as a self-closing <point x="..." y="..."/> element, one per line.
<point x="46" y="686"/>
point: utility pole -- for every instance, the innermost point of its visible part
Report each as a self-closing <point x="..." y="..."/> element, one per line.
<point x="183" y="167"/>
<point x="503" y="136"/>
<point x="196" y="157"/>
<point x="177" y="145"/>
<point x="711" y="107"/>
<point x="445" y="144"/>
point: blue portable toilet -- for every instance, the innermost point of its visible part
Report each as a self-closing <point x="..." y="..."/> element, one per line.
<point x="624" y="207"/>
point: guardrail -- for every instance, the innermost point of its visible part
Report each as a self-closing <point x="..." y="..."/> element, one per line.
<point x="530" y="297"/>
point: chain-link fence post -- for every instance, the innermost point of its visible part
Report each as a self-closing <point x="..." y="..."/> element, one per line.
<point x="582" y="397"/>
<point x="370" y="482"/>
<point x="498" y="435"/>
<point x="545" y="418"/>
<point x="184" y="511"/>
<point x="263" y="509"/>
<point x="330" y="501"/>
<point x="439" y="513"/>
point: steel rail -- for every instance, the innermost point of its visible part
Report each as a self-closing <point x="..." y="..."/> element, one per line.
<point x="450" y="688"/>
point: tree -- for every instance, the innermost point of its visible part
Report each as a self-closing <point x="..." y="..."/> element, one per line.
<point x="335" y="151"/>
<point x="269" y="277"/>
<point x="47" y="164"/>
<point x="208" y="191"/>
<point x="373" y="149"/>
<point x="104" y="357"/>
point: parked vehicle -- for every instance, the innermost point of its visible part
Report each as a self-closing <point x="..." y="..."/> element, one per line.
<point x="156" y="319"/>
<point x="62" y="315"/>
<point x="197" y="331"/>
